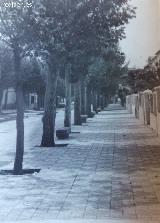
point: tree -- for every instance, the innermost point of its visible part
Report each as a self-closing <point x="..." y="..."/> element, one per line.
<point x="100" y="26"/>
<point x="143" y="79"/>
<point x="71" y="27"/>
<point x="16" y="29"/>
<point x="104" y="74"/>
<point x="67" y="119"/>
<point x="60" y="30"/>
<point x="52" y="31"/>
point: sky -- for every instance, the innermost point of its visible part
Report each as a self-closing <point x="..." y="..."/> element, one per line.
<point x="142" y="33"/>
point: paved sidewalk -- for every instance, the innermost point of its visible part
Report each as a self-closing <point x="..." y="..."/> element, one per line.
<point x="110" y="172"/>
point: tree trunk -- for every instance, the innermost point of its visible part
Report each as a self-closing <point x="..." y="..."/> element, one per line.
<point x="83" y="97"/>
<point x="38" y="101"/>
<point x="18" y="164"/>
<point x="77" y="104"/>
<point x="94" y="101"/>
<point x="106" y="101"/>
<point x="98" y="101"/>
<point x="102" y="102"/>
<point x="49" y="110"/>
<point x="1" y="98"/>
<point x="89" y="101"/>
<point x="67" y="119"/>
<point x="6" y="99"/>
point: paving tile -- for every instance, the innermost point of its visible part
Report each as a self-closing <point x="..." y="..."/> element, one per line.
<point x="110" y="172"/>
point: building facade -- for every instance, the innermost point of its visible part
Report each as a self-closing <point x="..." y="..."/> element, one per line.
<point x="9" y="100"/>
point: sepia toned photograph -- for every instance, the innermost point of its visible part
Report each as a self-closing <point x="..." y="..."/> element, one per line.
<point x="79" y="111"/>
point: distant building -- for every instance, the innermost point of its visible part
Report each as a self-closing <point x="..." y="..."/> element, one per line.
<point x="9" y="100"/>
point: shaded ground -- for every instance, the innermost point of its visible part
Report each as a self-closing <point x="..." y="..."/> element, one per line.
<point x="110" y="171"/>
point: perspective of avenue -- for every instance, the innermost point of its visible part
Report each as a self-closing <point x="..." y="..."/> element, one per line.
<point x="79" y="111"/>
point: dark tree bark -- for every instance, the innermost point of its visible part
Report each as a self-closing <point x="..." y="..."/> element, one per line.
<point x="77" y="104"/>
<point x="67" y="119"/>
<point x="106" y="101"/>
<point x="83" y="97"/>
<point x="94" y="101"/>
<point x="1" y="98"/>
<point x="98" y="100"/>
<point x="39" y="101"/>
<point x="102" y="102"/>
<point x="6" y="99"/>
<point x="89" y="101"/>
<point x="18" y="164"/>
<point x="50" y="109"/>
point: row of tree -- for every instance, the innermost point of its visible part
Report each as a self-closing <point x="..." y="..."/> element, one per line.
<point x="76" y="40"/>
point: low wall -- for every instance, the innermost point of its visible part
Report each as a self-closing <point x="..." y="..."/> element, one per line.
<point x="146" y="107"/>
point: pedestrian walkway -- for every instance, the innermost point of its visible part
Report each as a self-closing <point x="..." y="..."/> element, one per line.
<point x="108" y="173"/>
